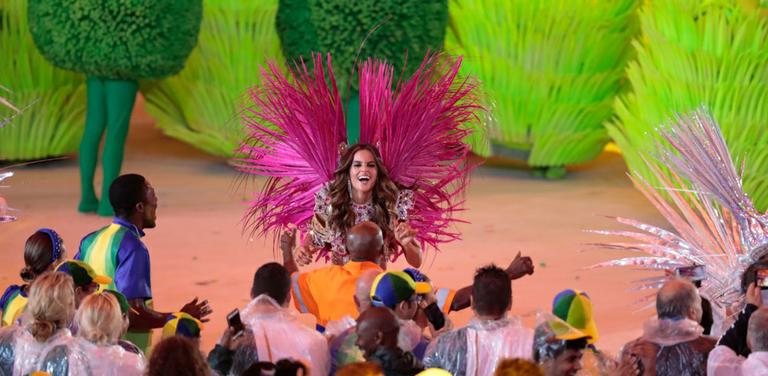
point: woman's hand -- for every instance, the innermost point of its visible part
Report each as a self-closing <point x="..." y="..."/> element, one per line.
<point x="301" y="254"/>
<point x="405" y="234"/>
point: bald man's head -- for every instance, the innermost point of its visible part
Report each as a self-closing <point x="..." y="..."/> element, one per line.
<point x="757" y="332"/>
<point x="677" y="299"/>
<point x="365" y="242"/>
<point x="376" y="327"/>
<point x="363" y="289"/>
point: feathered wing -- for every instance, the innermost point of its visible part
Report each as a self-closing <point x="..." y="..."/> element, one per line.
<point x="420" y="130"/>
<point x="700" y="155"/>
<point x="295" y="125"/>
<point x="708" y="228"/>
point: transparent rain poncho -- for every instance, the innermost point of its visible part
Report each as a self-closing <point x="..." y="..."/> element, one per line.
<point x="21" y="353"/>
<point x="82" y="357"/>
<point x="478" y="347"/>
<point x="278" y="334"/>
<point x="682" y="350"/>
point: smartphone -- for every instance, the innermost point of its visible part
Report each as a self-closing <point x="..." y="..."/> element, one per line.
<point x="693" y="273"/>
<point x="234" y="322"/>
<point x="761" y="279"/>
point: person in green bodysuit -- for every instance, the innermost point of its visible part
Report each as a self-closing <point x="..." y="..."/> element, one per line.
<point x="115" y="44"/>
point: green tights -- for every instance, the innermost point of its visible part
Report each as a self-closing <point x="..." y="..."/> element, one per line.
<point x="109" y="107"/>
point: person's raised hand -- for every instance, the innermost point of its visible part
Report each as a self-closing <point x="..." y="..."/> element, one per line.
<point x="288" y="240"/>
<point x="520" y="267"/>
<point x="198" y="310"/>
<point x="754" y="295"/>
<point x="405" y="234"/>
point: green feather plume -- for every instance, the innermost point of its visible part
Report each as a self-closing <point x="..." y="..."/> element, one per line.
<point x="551" y="70"/>
<point x="53" y="125"/>
<point x="199" y="106"/>
<point x="694" y="53"/>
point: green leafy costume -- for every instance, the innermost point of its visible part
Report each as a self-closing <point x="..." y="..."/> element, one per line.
<point x="114" y="43"/>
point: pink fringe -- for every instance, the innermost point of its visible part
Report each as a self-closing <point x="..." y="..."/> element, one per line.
<point x="420" y="132"/>
<point x="296" y="125"/>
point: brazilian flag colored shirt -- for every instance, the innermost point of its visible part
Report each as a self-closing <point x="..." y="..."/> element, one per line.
<point x="12" y="303"/>
<point x="117" y="251"/>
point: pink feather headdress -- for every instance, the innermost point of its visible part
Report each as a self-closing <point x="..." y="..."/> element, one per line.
<point x="296" y="124"/>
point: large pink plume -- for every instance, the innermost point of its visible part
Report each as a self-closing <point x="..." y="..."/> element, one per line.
<point x="295" y="125"/>
<point x="420" y="132"/>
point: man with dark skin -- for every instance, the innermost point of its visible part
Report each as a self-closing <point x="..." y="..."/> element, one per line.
<point x="118" y="252"/>
<point x="377" y="330"/>
<point x="327" y="293"/>
<point x="365" y="244"/>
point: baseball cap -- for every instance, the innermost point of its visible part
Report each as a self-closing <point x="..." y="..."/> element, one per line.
<point x="434" y="372"/>
<point x="82" y="273"/>
<point x="552" y="336"/>
<point x="182" y="324"/>
<point x="575" y="308"/>
<point x="121" y="299"/>
<point x="391" y="288"/>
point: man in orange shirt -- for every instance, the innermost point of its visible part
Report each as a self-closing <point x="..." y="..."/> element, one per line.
<point x="327" y="293"/>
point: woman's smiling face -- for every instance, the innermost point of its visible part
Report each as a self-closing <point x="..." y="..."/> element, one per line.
<point x="363" y="172"/>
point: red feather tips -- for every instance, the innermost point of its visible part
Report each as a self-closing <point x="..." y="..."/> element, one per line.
<point x="295" y="123"/>
<point x="420" y="132"/>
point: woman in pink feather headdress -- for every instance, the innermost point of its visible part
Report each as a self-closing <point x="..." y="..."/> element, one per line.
<point x="410" y="183"/>
<point x="360" y="191"/>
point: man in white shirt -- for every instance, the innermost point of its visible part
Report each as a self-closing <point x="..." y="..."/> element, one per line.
<point x="724" y="359"/>
<point x="491" y="335"/>
<point x="277" y="332"/>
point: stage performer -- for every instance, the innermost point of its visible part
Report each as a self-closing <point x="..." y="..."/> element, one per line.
<point x="717" y="233"/>
<point x="115" y="44"/>
<point x="407" y="174"/>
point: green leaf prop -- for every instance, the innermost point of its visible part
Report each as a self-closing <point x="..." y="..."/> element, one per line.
<point x="694" y="53"/>
<point x="53" y="123"/>
<point x="551" y="70"/>
<point x="199" y="105"/>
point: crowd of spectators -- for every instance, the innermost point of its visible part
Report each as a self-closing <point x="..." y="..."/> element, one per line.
<point x="93" y="315"/>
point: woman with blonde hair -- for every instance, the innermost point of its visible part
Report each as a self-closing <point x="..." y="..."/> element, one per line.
<point x="95" y="350"/>
<point x="48" y="314"/>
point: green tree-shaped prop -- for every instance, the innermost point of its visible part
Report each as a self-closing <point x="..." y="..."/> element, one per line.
<point x="199" y="104"/>
<point x="398" y="31"/>
<point x="114" y="43"/>
<point x="54" y="125"/>
<point x="551" y="70"/>
<point x="694" y="53"/>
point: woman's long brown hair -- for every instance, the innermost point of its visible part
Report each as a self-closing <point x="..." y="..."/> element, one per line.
<point x="384" y="198"/>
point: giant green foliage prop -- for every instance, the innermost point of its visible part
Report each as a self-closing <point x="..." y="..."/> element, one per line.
<point x="116" y="39"/>
<point x="694" y="53"/>
<point x="398" y="31"/>
<point x="199" y="105"/>
<point x="53" y="124"/>
<point x="551" y="70"/>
